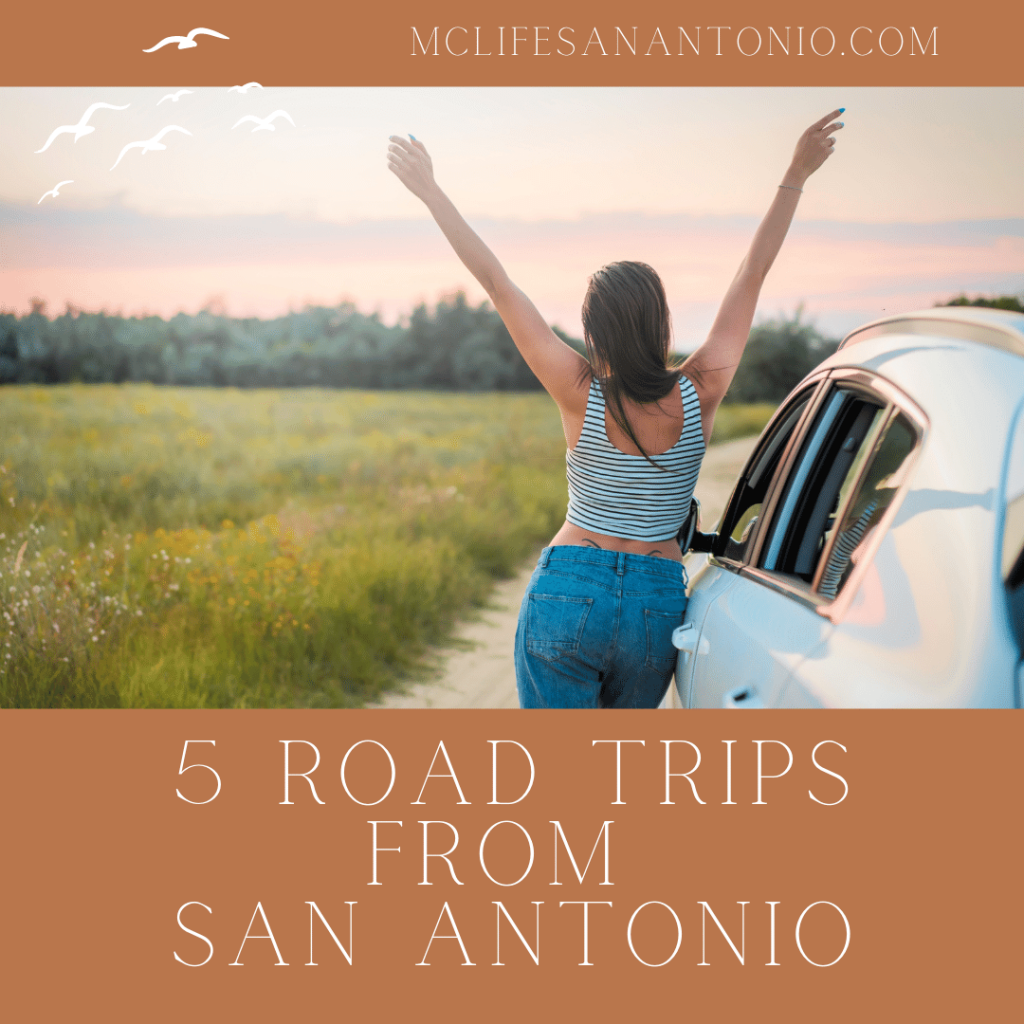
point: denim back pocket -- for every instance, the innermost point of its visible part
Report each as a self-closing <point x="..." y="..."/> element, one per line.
<point x="554" y="624"/>
<point x="660" y="624"/>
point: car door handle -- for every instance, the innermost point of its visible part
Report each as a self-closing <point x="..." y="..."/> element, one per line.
<point x="742" y="697"/>
<point x="685" y="638"/>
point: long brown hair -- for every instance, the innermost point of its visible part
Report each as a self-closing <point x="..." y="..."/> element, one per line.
<point x="627" y="328"/>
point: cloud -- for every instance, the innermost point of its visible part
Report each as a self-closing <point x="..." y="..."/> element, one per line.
<point x="845" y="272"/>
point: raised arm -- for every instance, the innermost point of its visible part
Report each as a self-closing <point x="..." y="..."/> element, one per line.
<point x="713" y="365"/>
<point x="557" y="366"/>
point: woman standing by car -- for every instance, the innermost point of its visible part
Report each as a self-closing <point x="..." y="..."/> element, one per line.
<point x="596" y="623"/>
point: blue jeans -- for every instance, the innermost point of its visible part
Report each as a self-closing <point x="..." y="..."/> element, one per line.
<point x="595" y="629"/>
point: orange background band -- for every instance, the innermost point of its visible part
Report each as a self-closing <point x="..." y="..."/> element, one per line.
<point x="922" y="856"/>
<point x="311" y="43"/>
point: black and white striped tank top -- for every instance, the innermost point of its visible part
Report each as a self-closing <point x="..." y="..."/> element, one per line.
<point x="623" y="495"/>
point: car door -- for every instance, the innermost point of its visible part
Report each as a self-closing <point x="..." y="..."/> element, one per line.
<point x="725" y="657"/>
<point x="786" y="563"/>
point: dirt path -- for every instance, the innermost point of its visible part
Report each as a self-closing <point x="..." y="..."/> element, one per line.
<point x="481" y="673"/>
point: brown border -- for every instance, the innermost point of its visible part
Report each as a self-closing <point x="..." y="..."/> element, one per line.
<point x="309" y="43"/>
<point x="923" y="857"/>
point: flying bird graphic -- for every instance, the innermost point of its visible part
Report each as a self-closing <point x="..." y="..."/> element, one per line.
<point x="263" y="123"/>
<point x="243" y="89"/>
<point x="53" y="191"/>
<point x="175" y="96"/>
<point x="185" y="42"/>
<point x="83" y="127"/>
<point x="148" y="144"/>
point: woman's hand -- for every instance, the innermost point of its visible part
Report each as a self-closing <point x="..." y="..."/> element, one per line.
<point x="814" y="147"/>
<point x="558" y="367"/>
<point x="411" y="164"/>
<point x="713" y="365"/>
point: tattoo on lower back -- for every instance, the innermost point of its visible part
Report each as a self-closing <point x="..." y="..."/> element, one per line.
<point x="656" y="553"/>
<point x="593" y="543"/>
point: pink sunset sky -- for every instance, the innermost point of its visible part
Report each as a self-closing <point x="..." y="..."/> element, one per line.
<point x="921" y="201"/>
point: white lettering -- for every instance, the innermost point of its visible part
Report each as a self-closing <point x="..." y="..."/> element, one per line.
<point x="534" y="953"/>
<point x="679" y="933"/>
<point x="466" y="962"/>
<point x="198" y="935"/>
<point x="760" y="773"/>
<point x="529" y="867"/>
<point x="831" y="35"/>
<point x="432" y="38"/>
<point x="846" y="945"/>
<point x="444" y="856"/>
<point x="450" y="774"/>
<point x="739" y="36"/>
<point x="344" y="780"/>
<point x="572" y="859"/>
<point x="669" y="775"/>
<point x="345" y="953"/>
<point x="814" y="761"/>
<point x="303" y="775"/>
<point x="237" y="962"/>
<point x="740" y="953"/>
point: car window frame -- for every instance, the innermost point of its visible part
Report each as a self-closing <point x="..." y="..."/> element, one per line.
<point x="837" y="395"/>
<point x="817" y="385"/>
<point x="894" y="402"/>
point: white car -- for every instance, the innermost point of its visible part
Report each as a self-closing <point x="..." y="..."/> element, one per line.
<point x="872" y="552"/>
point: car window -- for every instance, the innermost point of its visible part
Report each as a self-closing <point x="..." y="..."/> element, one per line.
<point x="886" y="469"/>
<point x="831" y="460"/>
<point x="749" y="495"/>
<point x="1012" y="561"/>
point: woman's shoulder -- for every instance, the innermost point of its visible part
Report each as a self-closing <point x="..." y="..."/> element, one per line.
<point x="585" y="389"/>
<point x="688" y="386"/>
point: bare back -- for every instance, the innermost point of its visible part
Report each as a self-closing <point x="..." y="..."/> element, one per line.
<point x="658" y="426"/>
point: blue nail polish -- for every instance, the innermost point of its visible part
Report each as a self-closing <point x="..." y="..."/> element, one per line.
<point x="842" y="110"/>
<point x="413" y="137"/>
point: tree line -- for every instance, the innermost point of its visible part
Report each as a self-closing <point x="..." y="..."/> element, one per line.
<point x="452" y="346"/>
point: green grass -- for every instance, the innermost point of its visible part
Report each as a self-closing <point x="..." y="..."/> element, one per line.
<point x="170" y="547"/>
<point x="733" y="421"/>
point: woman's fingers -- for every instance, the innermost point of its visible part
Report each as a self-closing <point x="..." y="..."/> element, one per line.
<point x="825" y="137"/>
<point x="822" y="130"/>
<point x="410" y="162"/>
<point x="819" y="125"/>
<point x="816" y="144"/>
<point x="410" y="153"/>
<point x="406" y="146"/>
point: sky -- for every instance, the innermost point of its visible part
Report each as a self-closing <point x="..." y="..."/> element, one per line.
<point x="921" y="201"/>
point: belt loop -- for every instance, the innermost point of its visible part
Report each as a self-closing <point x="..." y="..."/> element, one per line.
<point x="620" y="563"/>
<point x="545" y="556"/>
<point x="686" y="577"/>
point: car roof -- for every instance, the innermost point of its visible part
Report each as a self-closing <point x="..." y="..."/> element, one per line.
<point x="997" y="328"/>
<point x="963" y="366"/>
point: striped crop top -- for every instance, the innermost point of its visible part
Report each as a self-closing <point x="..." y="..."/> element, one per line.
<point x="623" y="495"/>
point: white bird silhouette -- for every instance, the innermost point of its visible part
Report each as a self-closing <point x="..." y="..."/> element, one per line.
<point x="184" y="42"/>
<point x="243" y="89"/>
<point x="53" y="191"/>
<point x="175" y="96"/>
<point x="153" y="143"/>
<point x="263" y="122"/>
<point x="83" y="127"/>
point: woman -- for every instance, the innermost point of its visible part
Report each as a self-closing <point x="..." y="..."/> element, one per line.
<point x="596" y="623"/>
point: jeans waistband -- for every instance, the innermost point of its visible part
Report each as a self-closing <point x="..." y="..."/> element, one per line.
<point x="618" y="561"/>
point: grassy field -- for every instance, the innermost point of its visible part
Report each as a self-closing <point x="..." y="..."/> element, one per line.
<point x="166" y="547"/>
